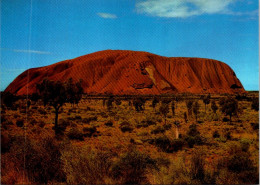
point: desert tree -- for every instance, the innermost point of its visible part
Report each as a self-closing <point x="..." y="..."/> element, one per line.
<point x="104" y="102"/>
<point x="196" y="110"/>
<point x="177" y="126"/>
<point x="155" y="101"/>
<point x="173" y="108"/>
<point x="255" y="104"/>
<point x="8" y="99"/>
<point x="109" y="102"/>
<point x="54" y="93"/>
<point x="164" y="110"/>
<point x="185" y="117"/>
<point x="166" y="101"/>
<point x="206" y="101"/>
<point x="118" y="101"/>
<point x="139" y="103"/>
<point x="177" y="99"/>
<point x="189" y="104"/>
<point x="78" y="91"/>
<point x="74" y="91"/>
<point x="214" y="106"/>
<point x="229" y="107"/>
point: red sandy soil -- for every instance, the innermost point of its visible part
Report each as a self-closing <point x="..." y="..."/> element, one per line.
<point x="134" y="72"/>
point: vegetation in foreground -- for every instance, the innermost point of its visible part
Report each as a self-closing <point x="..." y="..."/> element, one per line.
<point x="181" y="139"/>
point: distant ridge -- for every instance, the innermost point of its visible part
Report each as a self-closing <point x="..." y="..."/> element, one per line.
<point x="135" y="72"/>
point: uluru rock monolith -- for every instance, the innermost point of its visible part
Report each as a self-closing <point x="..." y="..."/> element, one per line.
<point x="134" y="72"/>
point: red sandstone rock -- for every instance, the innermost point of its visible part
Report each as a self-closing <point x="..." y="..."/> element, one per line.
<point x="134" y="72"/>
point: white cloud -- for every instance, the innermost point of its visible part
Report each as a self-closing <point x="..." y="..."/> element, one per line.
<point x="32" y="51"/>
<point x="182" y="8"/>
<point x="27" y="51"/>
<point x="107" y="15"/>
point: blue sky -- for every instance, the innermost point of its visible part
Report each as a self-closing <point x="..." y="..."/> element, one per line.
<point x="37" y="33"/>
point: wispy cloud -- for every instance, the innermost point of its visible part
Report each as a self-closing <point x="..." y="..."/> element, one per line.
<point x="27" y="51"/>
<point x="107" y="15"/>
<point x="183" y="8"/>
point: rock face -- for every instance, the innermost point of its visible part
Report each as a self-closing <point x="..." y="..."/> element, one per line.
<point x="134" y="72"/>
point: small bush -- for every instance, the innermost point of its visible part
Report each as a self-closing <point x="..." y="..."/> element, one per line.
<point x="239" y="162"/>
<point x="32" y="122"/>
<point x="168" y="145"/>
<point x="89" y="109"/>
<point x="225" y="119"/>
<point x="76" y="134"/>
<point x="89" y="119"/>
<point x="5" y="142"/>
<point x="167" y="126"/>
<point x="132" y="167"/>
<point x="255" y="126"/>
<point x="109" y="123"/>
<point x="148" y="121"/>
<point x="125" y="126"/>
<point x="77" y="117"/>
<point x="193" y="130"/>
<point x="227" y="135"/>
<point x="191" y="141"/>
<point x="42" y="159"/>
<point x="216" y="134"/>
<point x="197" y="166"/>
<point x="157" y="130"/>
<point x="255" y="104"/>
<point x="63" y="124"/>
<point x="42" y="111"/>
<point x="89" y="131"/>
<point x="177" y="144"/>
<point x="245" y="144"/>
<point x="141" y="124"/>
<point x="9" y="122"/>
<point x="83" y="166"/>
<point x="41" y="124"/>
<point x="19" y="123"/>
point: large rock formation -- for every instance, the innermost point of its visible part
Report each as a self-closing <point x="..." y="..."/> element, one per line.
<point x="134" y="72"/>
